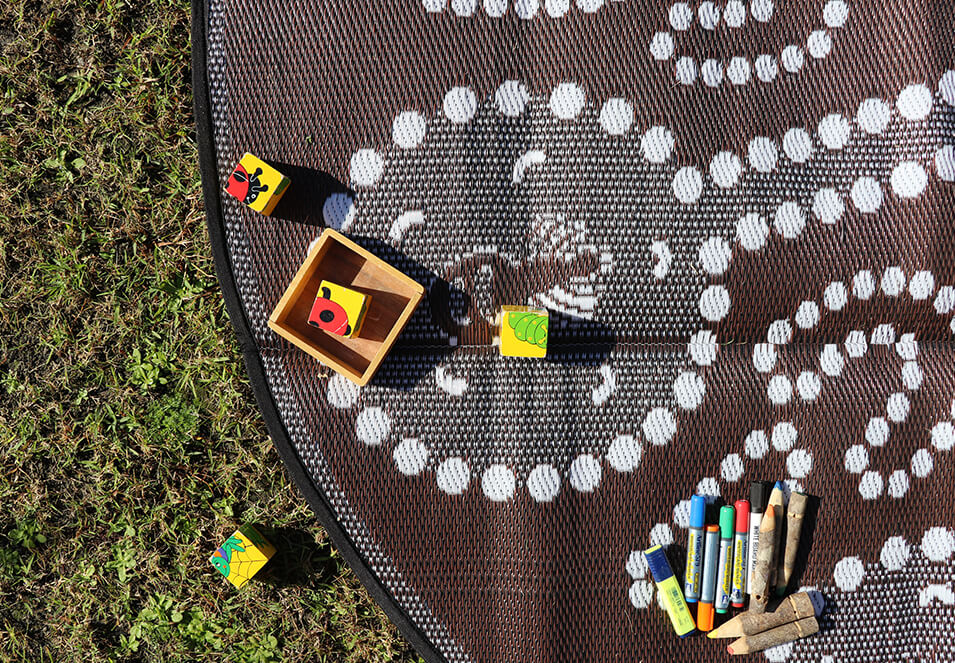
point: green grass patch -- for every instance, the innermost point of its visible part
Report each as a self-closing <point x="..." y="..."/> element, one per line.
<point x="132" y="445"/>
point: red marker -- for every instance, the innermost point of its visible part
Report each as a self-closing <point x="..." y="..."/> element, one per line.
<point x="739" y="553"/>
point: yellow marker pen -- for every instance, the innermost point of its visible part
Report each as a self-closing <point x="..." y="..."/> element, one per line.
<point x="669" y="589"/>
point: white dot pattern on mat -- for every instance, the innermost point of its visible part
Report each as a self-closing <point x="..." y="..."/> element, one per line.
<point x="799" y="463"/>
<point x="703" y="347"/>
<point x="756" y="444"/>
<point x="338" y="212"/>
<point x="848" y="573"/>
<point x="525" y="10"/>
<point x="687" y="188"/>
<point x="663" y="45"/>
<point x="784" y="436"/>
<point x="409" y="129"/>
<point x="616" y="116"/>
<point x="498" y="483"/>
<point x="625" y="453"/>
<point x="709" y="488"/>
<point x="752" y="231"/>
<point x="543" y="483"/>
<point x="870" y="485"/>
<point x="808" y="385"/>
<point x="342" y="393"/>
<point x="585" y="473"/>
<point x="922" y="463"/>
<point x="938" y="544"/>
<point x="567" y="100"/>
<point x="661" y="535"/>
<point x="453" y="476"/>
<point x="915" y="102"/>
<point x="689" y="389"/>
<point x="511" y="98"/>
<point x="460" y="105"/>
<point x="373" y="426"/>
<point x="659" y="427"/>
<point x="731" y="469"/>
<point x="714" y="303"/>
<point x="895" y="553"/>
<point x="366" y="168"/>
<point x="637" y="565"/>
<point x="411" y="457"/>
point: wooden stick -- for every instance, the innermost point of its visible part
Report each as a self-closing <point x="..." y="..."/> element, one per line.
<point x="765" y="560"/>
<point x="777" y="636"/>
<point x="791" y="609"/>
<point x="794" y="518"/>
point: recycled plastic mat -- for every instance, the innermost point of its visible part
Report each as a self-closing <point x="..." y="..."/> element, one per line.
<point x="742" y="218"/>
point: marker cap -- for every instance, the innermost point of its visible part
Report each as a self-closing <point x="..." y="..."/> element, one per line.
<point x="657" y="561"/>
<point x="704" y="617"/>
<point x="742" y="516"/>
<point x="727" y="519"/>
<point x="759" y="496"/>
<point x="697" y="511"/>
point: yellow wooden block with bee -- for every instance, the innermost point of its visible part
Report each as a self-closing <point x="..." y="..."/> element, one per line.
<point x="523" y="331"/>
<point x="257" y="184"/>
<point x="242" y="555"/>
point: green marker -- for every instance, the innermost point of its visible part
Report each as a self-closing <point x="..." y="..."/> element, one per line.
<point x="724" y="577"/>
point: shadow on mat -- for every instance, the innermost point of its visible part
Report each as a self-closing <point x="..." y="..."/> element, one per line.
<point x="304" y="202"/>
<point x="408" y="362"/>
<point x="578" y="341"/>
<point x="299" y="559"/>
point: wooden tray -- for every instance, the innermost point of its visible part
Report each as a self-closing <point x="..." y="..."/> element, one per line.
<point x="394" y="297"/>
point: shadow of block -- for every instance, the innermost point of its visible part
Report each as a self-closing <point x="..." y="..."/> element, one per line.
<point x="308" y="191"/>
<point x="299" y="559"/>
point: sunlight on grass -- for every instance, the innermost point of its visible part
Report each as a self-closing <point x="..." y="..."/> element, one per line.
<point x="131" y="437"/>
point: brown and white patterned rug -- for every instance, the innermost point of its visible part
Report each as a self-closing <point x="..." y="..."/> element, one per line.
<point x="741" y="215"/>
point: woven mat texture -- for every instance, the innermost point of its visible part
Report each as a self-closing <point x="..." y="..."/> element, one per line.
<point x="741" y="216"/>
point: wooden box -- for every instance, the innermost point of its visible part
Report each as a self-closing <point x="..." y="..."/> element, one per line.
<point x="394" y="297"/>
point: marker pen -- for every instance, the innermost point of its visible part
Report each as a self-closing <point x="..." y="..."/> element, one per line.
<point x="669" y="589"/>
<point x="694" y="549"/>
<point x="758" y="497"/>
<point x="739" y="553"/>
<point x="704" y="611"/>
<point x="724" y="577"/>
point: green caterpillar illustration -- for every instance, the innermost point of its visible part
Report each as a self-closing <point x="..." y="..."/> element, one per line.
<point x="529" y="327"/>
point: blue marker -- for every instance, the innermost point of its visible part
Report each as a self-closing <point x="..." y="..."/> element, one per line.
<point x="694" y="549"/>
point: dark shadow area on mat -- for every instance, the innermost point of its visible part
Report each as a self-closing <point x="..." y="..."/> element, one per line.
<point x="805" y="542"/>
<point x="407" y="363"/>
<point x="578" y="341"/>
<point x="299" y="559"/>
<point x="308" y="191"/>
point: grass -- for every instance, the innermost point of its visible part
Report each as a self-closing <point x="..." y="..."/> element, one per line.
<point x="130" y="438"/>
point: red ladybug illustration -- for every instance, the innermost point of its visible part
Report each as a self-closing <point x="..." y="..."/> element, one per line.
<point x="246" y="187"/>
<point x="328" y="315"/>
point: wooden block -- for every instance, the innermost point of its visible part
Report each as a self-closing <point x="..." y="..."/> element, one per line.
<point x="338" y="310"/>
<point x="257" y="184"/>
<point x="242" y="555"/>
<point x="392" y="298"/>
<point x="523" y="331"/>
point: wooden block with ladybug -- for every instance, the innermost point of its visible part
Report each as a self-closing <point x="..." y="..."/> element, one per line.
<point x="257" y="184"/>
<point x="524" y="331"/>
<point x="338" y="310"/>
